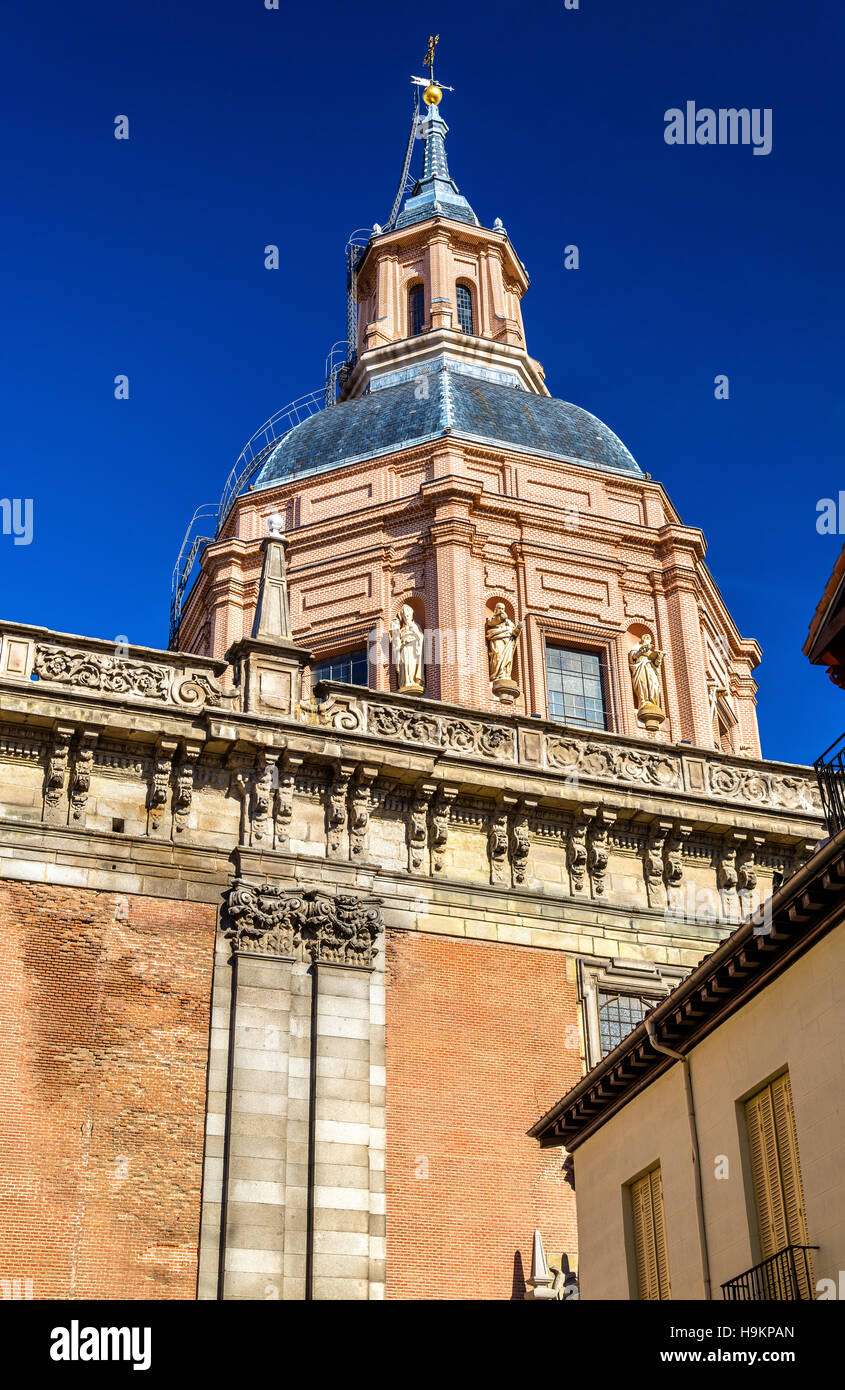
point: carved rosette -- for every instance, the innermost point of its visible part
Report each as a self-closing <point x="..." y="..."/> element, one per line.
<point x="268" y="919"/>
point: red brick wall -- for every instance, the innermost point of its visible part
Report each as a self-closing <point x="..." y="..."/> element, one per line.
<point x="104" y="1023"/>
<point x="476" y="1052"/>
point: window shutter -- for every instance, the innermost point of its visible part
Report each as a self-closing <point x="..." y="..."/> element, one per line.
<point x="660" y="1234"/>
<point x="790" y="1173"/>
<point x="650" y="1237"/>
<point x="771" y="1216"/>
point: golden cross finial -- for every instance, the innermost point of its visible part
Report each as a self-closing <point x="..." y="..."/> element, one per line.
<point x="428" y="60"/>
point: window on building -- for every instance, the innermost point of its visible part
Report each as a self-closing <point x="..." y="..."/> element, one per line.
<point x="618" y="1014"/>
<point x="649" y="1231"/>
<point x="416" y="309"/>
<point x="576" y="689"/>
<point x="465" y="320"/>
<point x="615" y="995"/>
<point x="776" y="1172"/>
<point x="352" y="668"/>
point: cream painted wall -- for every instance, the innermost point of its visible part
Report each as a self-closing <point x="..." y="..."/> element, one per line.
<point x="797" y="1022"/>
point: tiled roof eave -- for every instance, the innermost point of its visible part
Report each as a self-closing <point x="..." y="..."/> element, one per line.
<point x="465" y="437"/>
<point x="808" y="905"/>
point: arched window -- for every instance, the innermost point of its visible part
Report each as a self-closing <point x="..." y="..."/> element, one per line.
<point x="416" y="309"/>
<point x="463" y="294"/>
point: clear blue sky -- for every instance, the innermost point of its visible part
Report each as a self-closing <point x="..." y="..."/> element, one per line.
<point x="251" y="127"/>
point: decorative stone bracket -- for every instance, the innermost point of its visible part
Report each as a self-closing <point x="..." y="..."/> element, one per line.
<point x="268" y="919"/>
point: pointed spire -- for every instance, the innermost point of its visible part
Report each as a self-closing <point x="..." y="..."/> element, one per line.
<point x="436" y="193"/>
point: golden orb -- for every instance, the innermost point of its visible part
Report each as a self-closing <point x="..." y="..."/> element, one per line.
<point x="432" y="96"/>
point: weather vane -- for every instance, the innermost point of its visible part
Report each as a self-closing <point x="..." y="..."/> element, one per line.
<point x="433" y="90"/>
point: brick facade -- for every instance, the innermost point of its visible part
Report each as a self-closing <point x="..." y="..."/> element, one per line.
<point x="104" y="1012"/>
<point x="478" y="1035"/>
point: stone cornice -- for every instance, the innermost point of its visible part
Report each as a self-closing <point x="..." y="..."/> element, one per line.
<point x="143" y="700"/>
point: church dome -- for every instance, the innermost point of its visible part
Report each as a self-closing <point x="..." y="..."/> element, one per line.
<point x="425" y="407"/>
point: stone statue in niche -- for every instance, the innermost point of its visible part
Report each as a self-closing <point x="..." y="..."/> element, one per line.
<point x="645" y="662"/>
<point x="408" y="643"/>
<point x="501" y="635"/>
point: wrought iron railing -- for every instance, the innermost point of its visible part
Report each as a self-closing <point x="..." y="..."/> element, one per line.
<point x="784" y="1277"/>
<point x="830" y="771"/>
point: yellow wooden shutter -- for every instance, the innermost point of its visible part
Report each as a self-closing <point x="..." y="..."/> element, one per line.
<point x="765" y="1171"/>
<point x="647" y="1284"/>
<point x="659" y="1234"/>
<point x="790" y="1167"/>
<point x="650" y="1237"/>
<point x="790" y="1176"/>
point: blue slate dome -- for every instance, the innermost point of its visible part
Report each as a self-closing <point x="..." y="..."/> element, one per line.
<point x="468" y="407"/>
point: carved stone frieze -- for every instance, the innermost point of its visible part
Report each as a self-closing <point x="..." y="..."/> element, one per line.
<point x="608" y="763"/>
<point x="469" y="736"/>
<point x="118" y="675"/>
<point x="760" y="788"/>
<point x="268" y="919"/>
<point x="578" y="756"/>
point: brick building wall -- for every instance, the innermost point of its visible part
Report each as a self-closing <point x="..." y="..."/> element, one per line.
<point x="479" y="1042"/>
<point x="104" y="1020"/>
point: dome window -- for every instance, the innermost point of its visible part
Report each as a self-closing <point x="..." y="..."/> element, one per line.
<point x="416" y="309"/>
<point x="464" y="298"/>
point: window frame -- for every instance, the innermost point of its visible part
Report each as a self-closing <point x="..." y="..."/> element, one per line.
<point x="337" y="657"/>
<point x="601" y="652"/>
<point x="414" y="289"/>
<point x="598" y="974"/>
<point x="468" y="291"/>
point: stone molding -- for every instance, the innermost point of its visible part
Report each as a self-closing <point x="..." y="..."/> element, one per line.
<point x="267" y="919"/>
<point x="95" y="672"/>
<point x="595" y="758"/>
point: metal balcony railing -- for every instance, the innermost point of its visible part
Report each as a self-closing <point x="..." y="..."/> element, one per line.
<point x="830" y="771"/>
<point x="784" y="1277"/>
